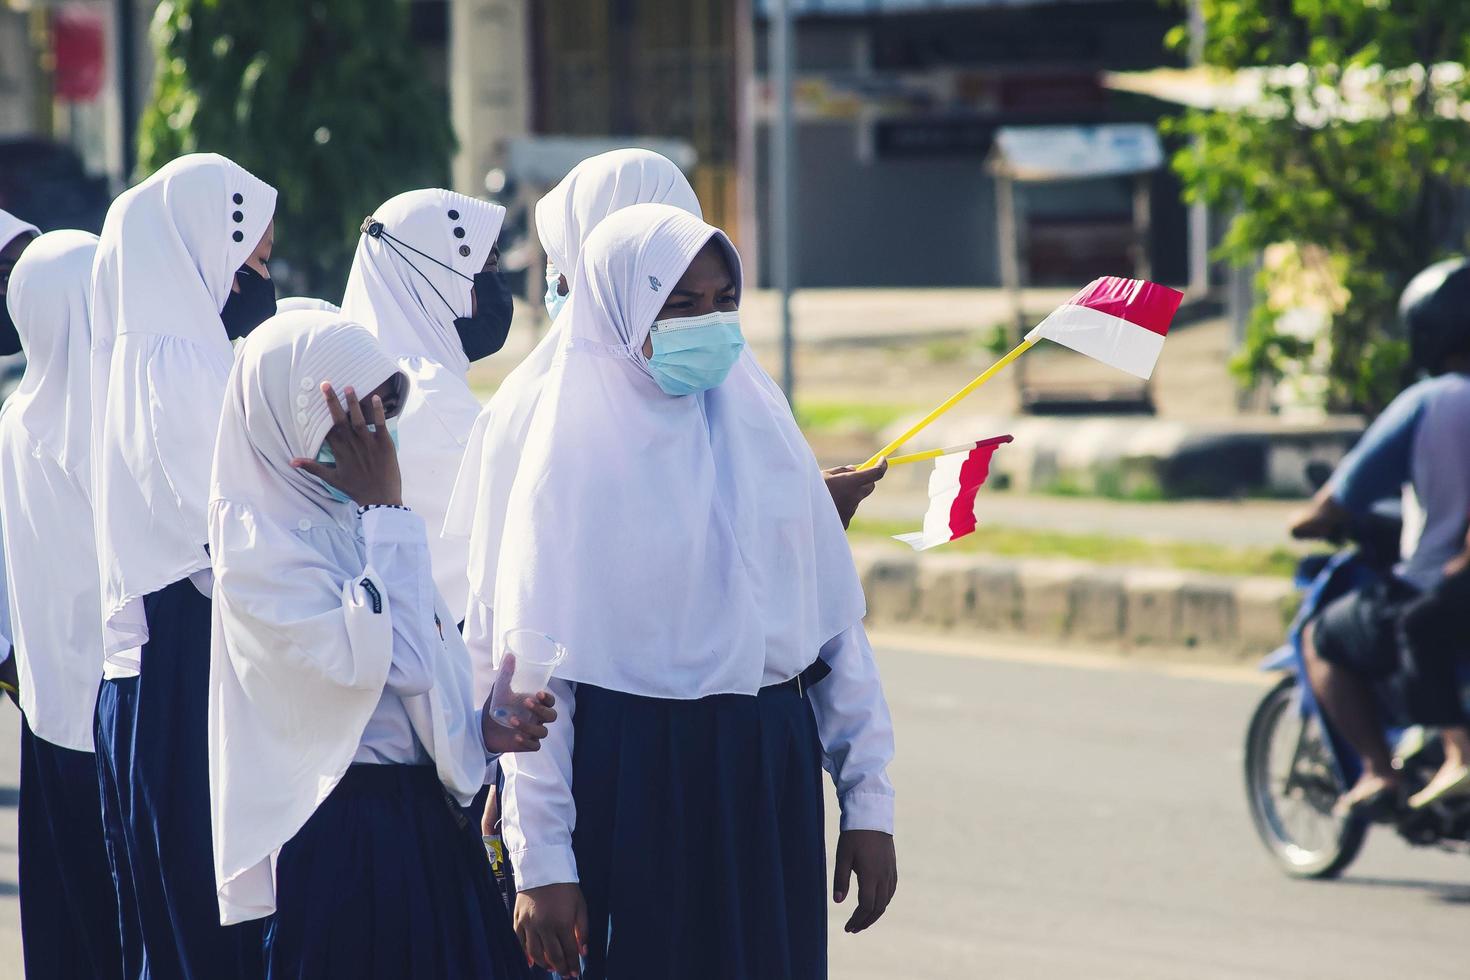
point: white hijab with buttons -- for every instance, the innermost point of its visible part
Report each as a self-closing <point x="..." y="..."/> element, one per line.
<point x="300" y="652"/>
<point x="407" y="286"/>
<point x="167" y="258"/>
<point x="678" y="547"/>
<point x="45" y="491"/>
<point x="595" y="188"/>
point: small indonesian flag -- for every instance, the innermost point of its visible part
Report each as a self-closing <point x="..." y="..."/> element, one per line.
<point x="1121" y="322"/>
<point x="952" y="488"/>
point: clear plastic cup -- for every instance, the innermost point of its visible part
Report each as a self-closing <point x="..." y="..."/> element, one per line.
<point x="525" y="670"/>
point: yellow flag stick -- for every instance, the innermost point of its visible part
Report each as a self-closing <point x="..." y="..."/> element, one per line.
<point x="949" y="403"/>
<point x="963" y="447"/>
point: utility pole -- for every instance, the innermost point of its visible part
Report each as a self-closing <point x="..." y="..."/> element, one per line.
<point x="782" y="47"/>
<point x="126" y="19"/>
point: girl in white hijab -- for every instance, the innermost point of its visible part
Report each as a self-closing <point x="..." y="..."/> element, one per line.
<point x="669" y="526"/>
<point x="595" y="188"/>
<point x="426" y="282"/>
<point x="179" y="272"/>
<point x="341" y="723"/>
<point x="68" y="904"/>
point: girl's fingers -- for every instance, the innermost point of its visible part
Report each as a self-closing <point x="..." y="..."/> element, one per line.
<point x="334" y="406"/>
<point x="572" y="965"/>
<point x="379" y="417"/>
<point x="541" y="712"/>
<point x="547" y="698"/>
<point x="354" y="411"/>
<point x="313" y="467"/>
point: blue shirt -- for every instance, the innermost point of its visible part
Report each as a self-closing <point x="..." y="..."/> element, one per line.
<point x="1422" y="441"/>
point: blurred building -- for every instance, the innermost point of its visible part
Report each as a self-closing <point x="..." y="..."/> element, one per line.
<point x="897" y="105"/>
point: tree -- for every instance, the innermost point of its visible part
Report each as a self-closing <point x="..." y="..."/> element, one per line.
<point x="327" y="100"/>
<point x="1358" y="147"/>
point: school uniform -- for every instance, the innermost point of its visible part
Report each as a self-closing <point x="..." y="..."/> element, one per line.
<point x="686" y="553"/>
<point x="160" y="358"/>
<point x="594" y="189"/>
<point x="343" y="741"/>
<point x="407" y="286"/>
<point x="70" y="924"/>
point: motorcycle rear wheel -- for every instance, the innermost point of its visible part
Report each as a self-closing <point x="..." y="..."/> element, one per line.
<point x="1291" y="805"/>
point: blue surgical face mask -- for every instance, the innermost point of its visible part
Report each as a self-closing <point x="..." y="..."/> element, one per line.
<point x="554" y="298"/>
<point x="326" y="457"/>
<point x="695" y="353"/>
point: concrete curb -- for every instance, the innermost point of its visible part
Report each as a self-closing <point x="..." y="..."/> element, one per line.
<point x="1131" y="609"/>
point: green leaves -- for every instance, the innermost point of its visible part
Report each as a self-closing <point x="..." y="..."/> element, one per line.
<point x="326" y="100"/>
<point x="1356" y="147"/>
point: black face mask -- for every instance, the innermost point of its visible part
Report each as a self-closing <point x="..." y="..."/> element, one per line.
<point x="484" y="333"/>
<point x="9" y="339"/>
<point x="252" y="305"/>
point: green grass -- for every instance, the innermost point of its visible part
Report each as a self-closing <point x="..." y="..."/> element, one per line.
<point x="1103" y="549"/>
<point x="832" y="416"/>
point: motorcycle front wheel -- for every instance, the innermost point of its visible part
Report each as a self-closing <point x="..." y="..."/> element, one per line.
<point x="1292" y="784"/>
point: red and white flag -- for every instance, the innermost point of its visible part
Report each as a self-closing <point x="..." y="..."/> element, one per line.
<point x="1121" y="322"/>
<point x="952" y="486"/>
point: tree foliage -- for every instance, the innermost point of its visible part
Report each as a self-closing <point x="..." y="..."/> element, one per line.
<point x="1358" y="146"/>
<point x="327" y="100"/>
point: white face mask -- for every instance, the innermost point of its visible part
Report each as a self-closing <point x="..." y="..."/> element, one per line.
<point x="695" y="353"/>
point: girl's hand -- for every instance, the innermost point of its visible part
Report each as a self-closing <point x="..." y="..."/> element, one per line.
<point x="850" y="487"/>
<point x="519" y="737"/>
<point x="551" y="923"/>
<point x="367" y="461"/>
<point x="870" y="853"/>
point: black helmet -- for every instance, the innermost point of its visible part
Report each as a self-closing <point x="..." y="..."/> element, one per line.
<point x="1435" y="310"/>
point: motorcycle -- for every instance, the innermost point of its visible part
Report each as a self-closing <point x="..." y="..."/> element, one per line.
<point x="1296" y="765"/>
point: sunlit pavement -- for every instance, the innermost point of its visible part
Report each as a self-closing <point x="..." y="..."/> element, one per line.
<point x="1066" y="816"/>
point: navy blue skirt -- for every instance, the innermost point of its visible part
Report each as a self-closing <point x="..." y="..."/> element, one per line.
<point x="68" y="907"/>
<point x="699" y="836"/>
<point x="389" y="880"/>
<point x="155" y="777"/>
<point x="112" y="732"/>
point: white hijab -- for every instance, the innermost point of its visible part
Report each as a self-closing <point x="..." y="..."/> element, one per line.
<point x="45" y="491"/>
<point x="160" y="356"/>
<point x="293" y="304"/>
<point x="299" y="655"/>
<point x="596" y="188"/>
<point x="678" y="547"/>
<point x="411" y="309"/>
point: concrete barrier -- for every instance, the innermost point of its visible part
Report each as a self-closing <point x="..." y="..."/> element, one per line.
<point x="1098" y="606"/>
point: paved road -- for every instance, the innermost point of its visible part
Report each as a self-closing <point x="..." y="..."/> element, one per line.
<point x="1061" y="820"/>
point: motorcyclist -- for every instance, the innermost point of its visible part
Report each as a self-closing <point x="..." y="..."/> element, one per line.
<point x="1420" y="445"/>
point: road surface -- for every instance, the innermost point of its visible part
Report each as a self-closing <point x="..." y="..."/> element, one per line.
<point x="1080" y="817"/>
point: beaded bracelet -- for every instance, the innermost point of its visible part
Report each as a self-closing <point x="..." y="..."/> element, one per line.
<point x="363" y="510"/>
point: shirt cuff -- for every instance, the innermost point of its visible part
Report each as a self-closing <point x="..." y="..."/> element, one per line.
<point x="393" y="525"/>
<point x="867" y="811"/>
<point x="549" y="865"/>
